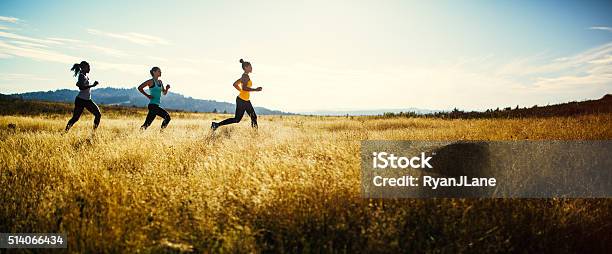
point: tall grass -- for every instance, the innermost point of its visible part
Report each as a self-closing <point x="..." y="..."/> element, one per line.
<point x="291" y="186"/>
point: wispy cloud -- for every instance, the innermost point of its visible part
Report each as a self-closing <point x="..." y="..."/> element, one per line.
<point x="27" y="38"/>
<point x="51" y="50"/>
<point x="36" y="53"/>
<point x="137" y="38"/>
<point x="584" y="70"/>
<point x="49" y="55"/>
<point x="86" y="45"/>
<point x="106" y="50"/>
<point x="604" y="28"/>
<point x="9" y="19"/>
<point x="543" y="64"/>
<point x="30" y="44"/>
<point x="65" y="40"/>
<point x="56" y="41"/>
<point x="538" y="79"/>
<point x="21" y="76"/>
<point x="123" y="67"/>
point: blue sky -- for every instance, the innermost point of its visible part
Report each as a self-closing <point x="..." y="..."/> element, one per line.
<point x="320" y="55"/>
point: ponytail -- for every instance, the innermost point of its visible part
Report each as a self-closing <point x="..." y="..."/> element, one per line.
<point x="244" y="63"/>
<point x="78" y="67"/>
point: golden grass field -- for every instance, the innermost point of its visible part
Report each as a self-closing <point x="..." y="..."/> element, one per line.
<point x="291" y="186"/>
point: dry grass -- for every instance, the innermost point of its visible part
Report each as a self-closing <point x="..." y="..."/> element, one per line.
<point x="292" y="186"/>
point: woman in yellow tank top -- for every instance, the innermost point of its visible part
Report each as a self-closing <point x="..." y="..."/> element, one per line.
<point x="243" y="102"/>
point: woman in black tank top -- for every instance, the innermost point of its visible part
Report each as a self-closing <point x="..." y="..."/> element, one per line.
<point x="83" y="99"/>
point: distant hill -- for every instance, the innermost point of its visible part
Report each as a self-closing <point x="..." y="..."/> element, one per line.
<point x="603" y="105"/>
<point x="368" y="112"/>
<point x="131" y="97"/>
<point x="12" y="105"/>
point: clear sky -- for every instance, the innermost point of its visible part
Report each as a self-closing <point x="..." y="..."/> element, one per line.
<point x="320" y="55"/>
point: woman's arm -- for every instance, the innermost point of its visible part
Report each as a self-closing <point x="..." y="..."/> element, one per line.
<point x="165" y="91"/>
<point x="83" y="87"/>
<point x="236" y="85"/>
<point x="246" y="88"/>
<point x="83" y="84"/>
<point x="141" y="88"/>
<point x="244" y="80"/>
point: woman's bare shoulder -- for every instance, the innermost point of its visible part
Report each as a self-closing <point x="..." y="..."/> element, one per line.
<point x="148" y="82"/>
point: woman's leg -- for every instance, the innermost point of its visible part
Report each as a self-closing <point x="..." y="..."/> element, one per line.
<point x="240" y="108"/>
<point x="93" y="108"/>
<point x="164" y="114"/>
<point x="150" y="117"/>
<point x="251" y="111"/>
<point x="76" y="113"/>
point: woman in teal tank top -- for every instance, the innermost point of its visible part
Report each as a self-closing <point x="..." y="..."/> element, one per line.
<point x="156" y="89"/>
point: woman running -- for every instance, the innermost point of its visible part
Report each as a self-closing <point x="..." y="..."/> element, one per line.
<point x="242" y="101"/>
<point x="83" y="99"/>
<point x="156" y="88"/>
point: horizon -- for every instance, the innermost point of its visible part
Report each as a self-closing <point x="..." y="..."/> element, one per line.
<point x="342" y="111"/>
<point x="331" y="56"/>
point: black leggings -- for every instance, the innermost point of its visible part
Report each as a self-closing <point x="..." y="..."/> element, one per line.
<point x="79" y="105"/>
<point x="241" y="106"/>
<point x="156" y="110"/>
